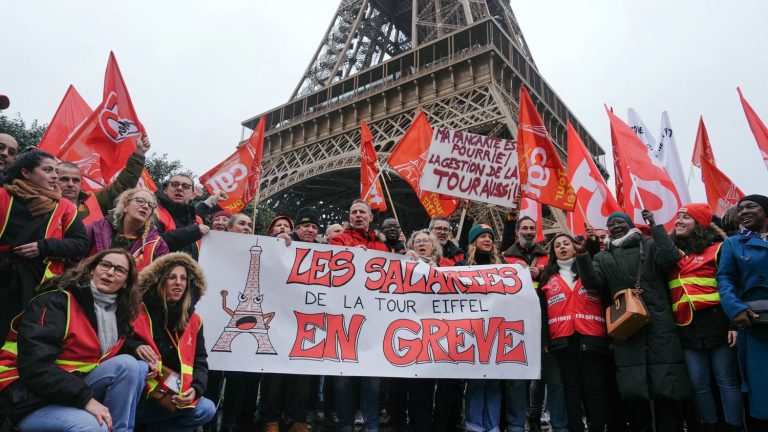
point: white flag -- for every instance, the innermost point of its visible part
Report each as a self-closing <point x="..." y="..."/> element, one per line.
<point x="638" y="126"/>
<point x="670" y="159"/>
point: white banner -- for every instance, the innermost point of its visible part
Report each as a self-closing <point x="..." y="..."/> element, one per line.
<point x="670" y="159"/>
<point x="475" y="167"/>
<point x="329" y="310"/>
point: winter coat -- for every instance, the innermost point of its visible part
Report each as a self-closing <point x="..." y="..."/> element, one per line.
<point x="650" y="364"/>
<point x="41" y="332"/>
<point x="183" y="238"/>
<point x="742" y="275"/>
<point x="351" y="238"/>
<point x="101" y="234"/>
<point x="452" y="254"/>
<point x="149" y="279"/>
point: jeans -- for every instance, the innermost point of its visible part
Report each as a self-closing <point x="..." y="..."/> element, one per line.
<point x="516" y="409"/>
<point x="483" y="400"/>
<point x="117" y="383"/>
<point x="158" y="418"/>
<point x="722" y="361"/>
<point x="345" y="388"/>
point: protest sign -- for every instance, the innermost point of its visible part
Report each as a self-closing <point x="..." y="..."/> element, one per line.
<point x="475" y="167"/>
<point x="329" y="310"/>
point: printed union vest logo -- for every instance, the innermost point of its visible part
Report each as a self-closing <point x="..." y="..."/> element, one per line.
<point x="537" y="130"/>
<point x="116" y="128"/>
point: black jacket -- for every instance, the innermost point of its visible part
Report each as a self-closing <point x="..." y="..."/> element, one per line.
<point x="183" y="238"/>
<point x="41" y="330"/>
<point x="515" y="251"/>
<point x="450" y="250"/>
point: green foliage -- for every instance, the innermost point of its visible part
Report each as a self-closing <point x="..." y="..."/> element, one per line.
<point x="25" y="135"/>
<point x="264" y="216"/>
<point x="160" y="168"/>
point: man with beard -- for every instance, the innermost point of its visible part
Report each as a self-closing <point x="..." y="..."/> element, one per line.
<point x="526" y="251"/>
<point x="9" y="148"/>
<point x="391" y="230"/>
<point x="92" y="206"/>
<point x="452" y="253"/>
<point x="177" y="222"/>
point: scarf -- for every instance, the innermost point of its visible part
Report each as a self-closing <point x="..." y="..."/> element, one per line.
<point x="630" y="234"/>
<point x="566" y="272"/>
<point x="39" y="201"/>
<point x="105" y="306"/>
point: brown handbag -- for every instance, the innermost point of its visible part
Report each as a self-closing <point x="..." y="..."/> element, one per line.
<point x="627" y="314"/>
<point x="166" y="389"/>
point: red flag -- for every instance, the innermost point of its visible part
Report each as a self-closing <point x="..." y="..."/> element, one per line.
<point x="722" y="193"/>
<point x="758" y="128"/>
<point x="595" y="203"/>
<point x="702" y="149"/>
<point x="72" y="111"/>
<point x="369" y="171"/>
<point x="532" y="209"/>
<point x="102" y="145"/>
<point x="641" y="174"/>
<point x="408" y="159"/>
<point x="542" y="175"/>
<point x="240" y="174"/>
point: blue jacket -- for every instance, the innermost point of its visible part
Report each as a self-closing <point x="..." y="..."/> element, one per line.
<point x="743" y="266"/>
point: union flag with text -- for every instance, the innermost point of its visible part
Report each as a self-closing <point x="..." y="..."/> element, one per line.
<point x="103" y="143"/>
<point x="408" y="159"/>
<point x="542" y="175"/>
<point x="240" y="174"/>
<point x="370" y="187"/>
<point x="593" y="198"/>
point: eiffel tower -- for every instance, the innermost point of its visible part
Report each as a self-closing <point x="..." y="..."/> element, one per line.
<point x="460" y="61"/>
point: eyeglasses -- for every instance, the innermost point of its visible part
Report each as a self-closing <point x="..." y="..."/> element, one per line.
<point x="12" y="151"/>
<point x="177" y="185"/>
<point x="422" y="241"/>
<point x="441" y="229"/>
<point x="106" y="266"/>
<point x="143" y="202"/>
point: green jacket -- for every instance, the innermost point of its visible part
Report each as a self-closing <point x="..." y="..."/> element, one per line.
<point x="127" y="179"/>
<point x="650" y="364"/>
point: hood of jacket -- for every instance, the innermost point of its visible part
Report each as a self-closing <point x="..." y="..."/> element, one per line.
<point x="151" y="275"/>
<point x="514" y="251"/>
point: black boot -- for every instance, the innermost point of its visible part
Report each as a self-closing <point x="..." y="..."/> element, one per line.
<point x="534" y="423"/>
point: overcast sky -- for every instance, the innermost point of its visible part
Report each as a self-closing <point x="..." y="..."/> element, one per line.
<point x="196" y="69"/>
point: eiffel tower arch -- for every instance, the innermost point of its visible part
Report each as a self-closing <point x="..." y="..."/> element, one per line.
<point x="462" y="62"/>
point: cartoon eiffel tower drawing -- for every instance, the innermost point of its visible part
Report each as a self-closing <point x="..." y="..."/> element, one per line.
<point x="248" y="316"/>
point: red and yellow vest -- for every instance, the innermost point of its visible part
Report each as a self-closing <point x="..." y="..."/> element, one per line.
<point x="94" y="209"/>
<point x="693" y="285"/>
<point x="80" y="349"/>
<point x="166" y="220"/>
<point x="185" y="345"/>
<point x="62" y="217"/>
<point x="539" y="261"/>
<point x="570" y="311"/>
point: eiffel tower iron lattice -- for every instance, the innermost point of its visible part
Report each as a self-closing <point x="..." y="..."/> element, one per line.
<point x="462" y="62"/>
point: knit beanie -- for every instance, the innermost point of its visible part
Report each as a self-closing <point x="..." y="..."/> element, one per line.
<point x="477" y="230"/>
<point x="700" y="212"/>
<point x="761" y="200"/>
<point x="308" y="215"/>
<point x="621" y="215"/>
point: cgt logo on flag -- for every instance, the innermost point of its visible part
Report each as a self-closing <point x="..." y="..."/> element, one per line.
<point x="116" y="128"/>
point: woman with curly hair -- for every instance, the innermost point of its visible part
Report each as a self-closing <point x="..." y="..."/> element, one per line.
<point x="38" y="231"/>
<point x="708" y="343"/>
<point x="172" y="286"/>
<point x="130" y="226"/>
<point x="71" y="373"/>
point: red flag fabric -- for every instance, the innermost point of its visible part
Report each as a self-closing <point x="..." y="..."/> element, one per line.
<point x="369" y="171"/>
<point x="240" y="174"/>
<point x="532" y="209"/>
<point x="102" y="145"/>
<point x="593" y="200"/>
<point x="408" y="159"/>
<point x="72" y="111"/>
<point x="542" y="175"/>
<point x="722" y="193"/>
<point x="641" y="175"/>
<point x="702" y="149"/>
<point x="758" y="128"/>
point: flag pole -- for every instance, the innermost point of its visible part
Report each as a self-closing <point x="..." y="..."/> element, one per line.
<point x="461" y="221"/>
<point x="386" y="189"/>
<point x="637" y="191"/>
<point x="255" y="204"/>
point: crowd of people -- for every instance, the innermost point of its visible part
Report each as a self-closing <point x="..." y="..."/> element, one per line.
<point x="98" y="294"/>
